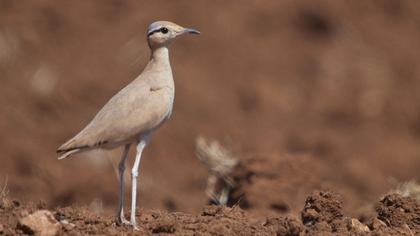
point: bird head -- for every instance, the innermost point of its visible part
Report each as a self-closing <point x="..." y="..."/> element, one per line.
<point x="162" y="33"/>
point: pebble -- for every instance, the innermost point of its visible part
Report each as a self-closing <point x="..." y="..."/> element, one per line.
<point x="41" y="222"/>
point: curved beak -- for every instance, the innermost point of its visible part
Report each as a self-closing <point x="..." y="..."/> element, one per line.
<point x="191" y="31"/>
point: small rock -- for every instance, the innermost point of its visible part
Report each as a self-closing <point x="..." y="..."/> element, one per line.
<point x="68" y="226"/>
<point x="1" y="228"/>
<point x="377" y="224"/>
<point x="41" y="222"/>
<point x="357" y="226"/>
<point x="407" y="229"/>
<point x="64" y="222"/>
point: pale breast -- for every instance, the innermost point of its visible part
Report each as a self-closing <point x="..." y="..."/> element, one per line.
<point x="166" y="97"/>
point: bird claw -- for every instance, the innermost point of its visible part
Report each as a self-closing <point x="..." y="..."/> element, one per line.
<point x="134" y="224"/>
<point x="124" y="221"/>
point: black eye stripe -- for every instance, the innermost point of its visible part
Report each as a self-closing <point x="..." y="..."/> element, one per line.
<point x="157" y="30"/>
<point x="152" y="32"/>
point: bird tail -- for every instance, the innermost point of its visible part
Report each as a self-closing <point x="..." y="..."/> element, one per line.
<point x="69" y="148"/>
<point x="63" y="154"/>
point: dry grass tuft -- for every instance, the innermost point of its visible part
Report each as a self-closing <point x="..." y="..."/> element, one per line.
<point x="4" y="191"/>
<point x="408" y="189"/>
<point x="220" y="163"/>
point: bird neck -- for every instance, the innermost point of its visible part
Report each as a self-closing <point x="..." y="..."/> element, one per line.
<point x="160" y="55"/>
<point x="160" y="67"/>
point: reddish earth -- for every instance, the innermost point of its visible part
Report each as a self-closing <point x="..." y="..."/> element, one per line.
<point x="322" y="215"/>
<point x="310" y="95"/>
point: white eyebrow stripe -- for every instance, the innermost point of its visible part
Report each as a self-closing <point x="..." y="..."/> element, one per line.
<point x="154" y="29"/>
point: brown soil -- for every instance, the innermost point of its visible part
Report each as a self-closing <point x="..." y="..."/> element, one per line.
<point x="322" y="215"/>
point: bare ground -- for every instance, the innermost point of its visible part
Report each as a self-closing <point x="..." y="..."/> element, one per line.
<point x="322" y="215"/>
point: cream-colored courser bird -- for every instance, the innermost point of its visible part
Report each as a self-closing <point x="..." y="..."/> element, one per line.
<point x="132" y="114"/>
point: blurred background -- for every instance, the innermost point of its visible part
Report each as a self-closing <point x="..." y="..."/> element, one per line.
<point x="328" y="90"/>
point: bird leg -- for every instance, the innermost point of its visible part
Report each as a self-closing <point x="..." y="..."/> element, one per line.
<point x="134" y="173"/>
<point x="121" y="169"/>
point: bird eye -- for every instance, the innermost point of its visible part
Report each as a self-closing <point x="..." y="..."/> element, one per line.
<point x="164" y="30"/>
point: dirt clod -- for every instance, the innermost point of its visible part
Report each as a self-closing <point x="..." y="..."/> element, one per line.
<point x="166" y="228"/>
<point x="322" y="206"/>
<point x="400" y="212"/>
<point x="41" y="222"/>
<point x="211" y="210"/>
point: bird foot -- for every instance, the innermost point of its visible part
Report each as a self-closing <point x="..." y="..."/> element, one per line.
<point x="124" y="221"/>
<point x="134" y="224"/>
